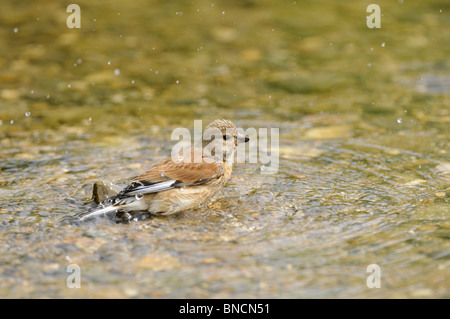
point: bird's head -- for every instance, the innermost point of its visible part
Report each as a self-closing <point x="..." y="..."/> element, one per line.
<point x="221" y="138"/>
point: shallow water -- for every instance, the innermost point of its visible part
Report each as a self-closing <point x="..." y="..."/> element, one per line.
<point x="364" y="174"/>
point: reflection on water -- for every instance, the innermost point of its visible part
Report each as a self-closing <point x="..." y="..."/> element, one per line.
<point x="364" y="170"/>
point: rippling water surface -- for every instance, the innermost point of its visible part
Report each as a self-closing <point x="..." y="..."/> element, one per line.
<point x="364" y="167"/>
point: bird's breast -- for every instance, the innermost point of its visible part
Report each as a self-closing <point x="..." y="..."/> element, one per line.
<point x="181" y="199"/>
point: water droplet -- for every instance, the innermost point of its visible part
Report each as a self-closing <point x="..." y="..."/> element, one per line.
<point x="32" y="92"/>
<point x="90" y="119"/>
<point x="116" y="72"/>
<point x="27" y="114"/>
<point x="16" y="30"/>
<point x="177" y="82"/>
<point x="371" y="49"/>
<point x="11" y="122"/>
<point x="223" y="12"/>
<point x="156" y="72"/>
<point x="109" y="62"/>
<point x="79" y="61"/>
<point x="163" y="174"/>
<point x="69" y="85"/>
<point x="132" y="81"/>
<point x="383" y="44"/>
<point x="138" y="196"/>
<point x="399" y="120"/>
<point x="48" y="96"/>
<point x="369" y="64"/>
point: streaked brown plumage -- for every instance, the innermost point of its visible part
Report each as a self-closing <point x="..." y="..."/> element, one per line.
<point x="179" y="183"/>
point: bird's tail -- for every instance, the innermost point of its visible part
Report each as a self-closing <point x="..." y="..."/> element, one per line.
<point x="113" y="204"/>
<point x="96" y="212"/>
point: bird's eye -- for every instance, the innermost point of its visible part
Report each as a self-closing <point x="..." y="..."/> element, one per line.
<point x="226" y="137"/>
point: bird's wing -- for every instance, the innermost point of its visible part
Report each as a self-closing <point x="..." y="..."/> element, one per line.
<point x="186" y="173"/>
<point x="142" y="188"/>
<point x="169" y="174"/>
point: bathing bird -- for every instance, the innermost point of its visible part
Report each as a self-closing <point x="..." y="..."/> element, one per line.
<point x="181" y="182"/>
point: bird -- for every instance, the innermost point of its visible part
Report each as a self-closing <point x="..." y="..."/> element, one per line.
<point x="181" y="182"/>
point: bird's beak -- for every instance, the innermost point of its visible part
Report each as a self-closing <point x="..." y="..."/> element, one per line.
<point x="242" y="138"/>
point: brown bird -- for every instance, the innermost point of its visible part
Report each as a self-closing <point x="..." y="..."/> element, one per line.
<point x="180" y="182"/>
